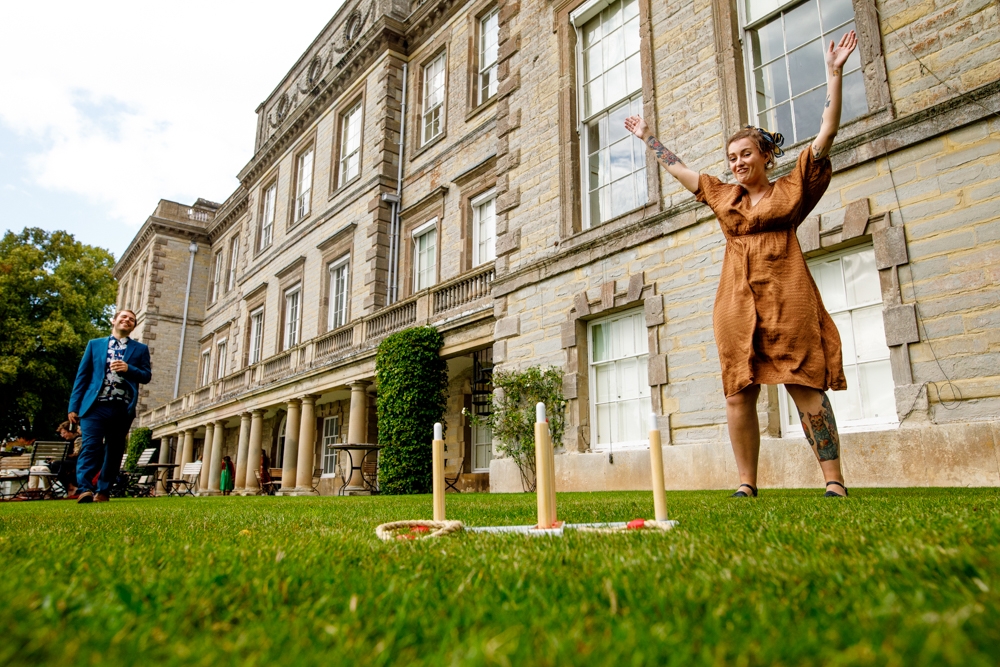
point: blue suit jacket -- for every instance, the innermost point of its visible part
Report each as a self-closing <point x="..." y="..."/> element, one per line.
<point x="90" y="374"/>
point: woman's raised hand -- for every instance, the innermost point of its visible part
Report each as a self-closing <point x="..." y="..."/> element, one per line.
<point x="837" y="55"/>
<point x="637" y="126"/>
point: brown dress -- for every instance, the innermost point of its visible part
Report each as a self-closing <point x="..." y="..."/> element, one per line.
<point x="770" y="323"/>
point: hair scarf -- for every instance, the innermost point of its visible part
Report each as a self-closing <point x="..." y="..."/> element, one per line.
<point x="776" y="140"/>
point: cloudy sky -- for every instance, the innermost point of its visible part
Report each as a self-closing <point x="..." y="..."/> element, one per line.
<point x="108" y="107"/>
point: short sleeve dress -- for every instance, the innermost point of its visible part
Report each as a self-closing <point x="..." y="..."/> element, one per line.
<point x="770" y="323"/>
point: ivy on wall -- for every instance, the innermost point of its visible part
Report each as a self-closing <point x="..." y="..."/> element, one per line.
<point x="138" y="440"/>
<point x="412" y="395"/>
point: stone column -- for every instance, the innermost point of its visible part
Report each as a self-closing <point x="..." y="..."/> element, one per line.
<point x="215" y="470"/>
<point x="357" y="430"/>
<point x="187" y="453"/>
<point x="206" y="453"/>
<point x="307" y="446"/>
<point x="161" y="473"/>
<point x="253" y="451"/>
<point x="289" y="459"/>
<point x="241" y="453"/>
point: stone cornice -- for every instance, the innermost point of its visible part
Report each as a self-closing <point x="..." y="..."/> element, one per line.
<point x="150" y="228"/>
<point x="384" y="36"/>
<point x="230" y="211"/>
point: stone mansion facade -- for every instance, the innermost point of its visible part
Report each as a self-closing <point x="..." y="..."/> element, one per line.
<point x="463" y="164"/>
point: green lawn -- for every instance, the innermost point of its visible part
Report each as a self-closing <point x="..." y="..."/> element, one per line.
<point x="887" y="577"/>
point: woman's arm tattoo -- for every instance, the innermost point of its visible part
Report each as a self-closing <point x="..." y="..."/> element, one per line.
<point x="663" y="154"/>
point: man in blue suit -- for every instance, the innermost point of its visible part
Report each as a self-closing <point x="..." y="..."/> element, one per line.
<point x="103" y="403"/>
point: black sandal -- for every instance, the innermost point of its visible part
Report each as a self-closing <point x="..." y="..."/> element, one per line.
<point x="744" y="494"/>
<point x="833" y="494"/>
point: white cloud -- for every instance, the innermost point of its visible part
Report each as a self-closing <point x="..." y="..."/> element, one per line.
<point x="131" y="102"/>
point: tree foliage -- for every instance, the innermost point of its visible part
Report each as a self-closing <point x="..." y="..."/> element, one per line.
<point x="55" y="294"/>
<point x="512" y="420"/>
<point x="412" y="395"/>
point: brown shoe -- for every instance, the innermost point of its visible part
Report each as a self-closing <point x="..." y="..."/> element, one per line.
<point x="101" y="498"/>
<point x="85" y="497"/>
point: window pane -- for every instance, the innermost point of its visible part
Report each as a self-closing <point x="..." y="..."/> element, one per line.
<point x="771" y="84"/>
<point x="612" y="17"/>
<point x="846" y="329"/>
<point x="801" y="24"/>
<point x="847" y="404"/>
<point x="809" y="113"/>
<point x="633" y="74"/>
<point x="621" y="159"/>
<point x="605" y="384"/>
<point x="593" y="96"/>
<point x="830" y="282"/>
<point x="767" y="42"/>
<point x="836" y="12"/>
<point x="854" y="102"/>
<point x="622" y="197"/>
<point x="778" y="119"/>
<point x="592" y="63"/>
<point x="877" y="391"/>
<point x="807" y="67"/>
<point x="630" y="10"/>
<point x="758" y="8"/>
<point x="599" y="348"/>
<point x="861" y="279"/>
<point x="869" y="334"/>
<point x="614" y="48"/>
<point x="614" y="84"/>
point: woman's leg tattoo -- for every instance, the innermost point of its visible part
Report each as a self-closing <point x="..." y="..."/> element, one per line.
<point x="821" y="431"/>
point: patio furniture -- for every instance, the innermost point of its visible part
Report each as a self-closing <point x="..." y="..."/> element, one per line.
<point x="13" y="475"/>
<point x="265" y="488"/>
<point x="366" y="464"/>
<point x="187" y="481"/>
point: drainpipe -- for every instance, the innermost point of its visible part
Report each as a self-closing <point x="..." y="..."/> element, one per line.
<point x="193" y="248"/>
<point x="396" y="199"/>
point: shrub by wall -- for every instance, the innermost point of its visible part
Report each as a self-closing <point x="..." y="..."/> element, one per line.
<point x="138" y="440"/>
<point x="412" y="395"/>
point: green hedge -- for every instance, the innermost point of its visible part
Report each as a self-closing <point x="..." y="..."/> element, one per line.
<point x="412" y="395"/>
<point x="138" y="440"/>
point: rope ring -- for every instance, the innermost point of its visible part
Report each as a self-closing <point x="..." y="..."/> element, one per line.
<point x="393" y="530"/>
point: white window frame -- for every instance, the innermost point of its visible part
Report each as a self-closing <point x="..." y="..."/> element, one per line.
<point x="331" y="436"/>
<point x="636" y="178"/>
<point x="433" y="111"/>
<point x="220" y="353"/>
<point x="267" y="217"/>
<point x="642" y="375"/>
<point x="216" y="277"/>
<point x="303" y="183"/>
<point x="482" y="438"/>
<point x="255" y="347"/>
<point x="293" y="316"/>
<point x="234" y="256"/>
<point x="483" y="249"/>
<point x="780" y="8"/>
<point x="206" y="367"/>
<point x="418" y="233"/>
<point x="332" y="319"/>
<point x="352" y="120"/>
<point x="488" y="58"/>
<point x="790" y="425"/>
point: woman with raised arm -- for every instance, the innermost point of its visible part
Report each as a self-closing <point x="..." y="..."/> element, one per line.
<point x="769" y="320"/>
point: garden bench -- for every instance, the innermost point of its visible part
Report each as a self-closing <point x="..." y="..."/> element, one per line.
<point x="187" y="480"/>
<point x="265" y="488"/>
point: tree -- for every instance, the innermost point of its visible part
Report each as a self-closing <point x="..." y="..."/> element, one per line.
<point x="55" y="294"/>
<point x="412" y="395"/>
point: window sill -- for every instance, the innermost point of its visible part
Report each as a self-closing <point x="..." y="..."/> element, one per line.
<point x="475" y="111"/>
<point x="341" y="188"/>
<point x="423" y="148"/>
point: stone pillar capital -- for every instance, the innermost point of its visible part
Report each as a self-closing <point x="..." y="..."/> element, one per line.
<point x="309" y="399"/>
<point x="257" y="412"/>
<point x="359" y="385"/>
<point x="294" y="402"/>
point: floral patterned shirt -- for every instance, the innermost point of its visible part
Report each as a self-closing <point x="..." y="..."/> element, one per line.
<point x="114" y="387"/>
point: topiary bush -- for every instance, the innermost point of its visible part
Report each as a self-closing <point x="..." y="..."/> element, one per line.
<point x="138" y="440"/>
<point x="412" y="395"/>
